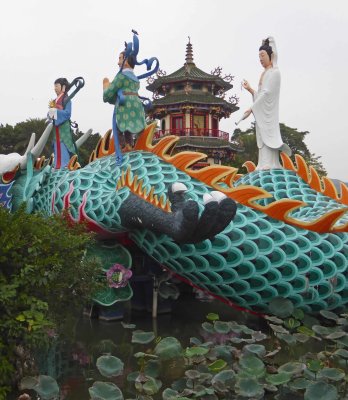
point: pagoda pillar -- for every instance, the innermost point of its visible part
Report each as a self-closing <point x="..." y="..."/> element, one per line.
<point x="208" y="123"/>
<point x="187" y="121"/>
<point x="167" y="121"/>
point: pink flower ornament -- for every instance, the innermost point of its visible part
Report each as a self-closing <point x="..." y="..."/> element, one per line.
<point x="118" y="276"/>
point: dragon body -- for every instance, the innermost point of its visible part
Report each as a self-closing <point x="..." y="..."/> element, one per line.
<point x="288" y="237"/>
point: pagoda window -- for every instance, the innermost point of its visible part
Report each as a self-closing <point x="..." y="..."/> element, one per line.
<point x="179" y="87"/>
<point x="197" y="86"/>
<point x="198" y="124"/>
<point x="177" y="124"/>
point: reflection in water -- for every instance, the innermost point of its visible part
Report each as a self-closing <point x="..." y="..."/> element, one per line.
<point x="74" y="364"/>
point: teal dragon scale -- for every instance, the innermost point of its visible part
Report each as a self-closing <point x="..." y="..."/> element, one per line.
<point x="287" y="236"/>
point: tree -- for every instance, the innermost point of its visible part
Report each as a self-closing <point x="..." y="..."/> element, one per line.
<point x="44" y="279"/>
<point x="291" y="136"/>
<point x="15" y="139"/>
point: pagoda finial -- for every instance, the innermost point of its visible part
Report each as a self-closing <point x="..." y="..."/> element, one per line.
<point x="189" y="52"/>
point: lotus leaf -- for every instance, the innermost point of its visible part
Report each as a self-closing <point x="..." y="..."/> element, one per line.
<point x="300" y="337"/>
<point x="329" y="315"/>
<point x="170" y="394"/>
<point x="196" y="351"/>
<point x="315" y="365"/>
<point x="128" y="326"/>
<point x="133" y="376"/>
<point x="291" y="323"/>
<point x="192" y="374"/>
<point x="258" y="336"/>
<point x="205" y="376"/>
<point x="235" y="340"/>
<point x="322" y="330"/>
<point x="252" y="365"/>
<point x="246" y="330"/>
<point x="252" y="349"/>
<point x="179" y="385"/>
<point x="278" y="328"/>
<point x="142" y="337"/>
<point x="168" y="348"/>
<point x="109" y="296"/>
<point x="151" y="386"/>
<point x="28" y="382"/>
<point x="333" y="374"/>
<point x="278" y="379"/>
<point x="343" y="341"/>
<point x="298" y="314"/>
<point x="336" y="335"/>
<point x="274" y="319"/>
<point x="305" y="330"/>
<point x="309" y="321"/>
<point x="342" y="353"/>
<point x="292" y="368"/>
<point x="227" y="377"/>
<point x="249" y="387"/>
<point x="320" y="391"/>
<point x="270" y="388"/>
<point x="222" y="327"/>
<point x="105" y="391"/>
<point x="226" y="352"/>
<point x="195" y="341"/>
<point x="110" y="366"/>
<point x="289" y="339"/>
<point x="299" y="384"/>
<point x="217" y="365"/>
<point x="220" y="387"/>
<point x="236" y="328"/>
<point x="213" y="317"/>
<point x="208" y="327"/>
<point x="47" y="387"/>
<point x="323" y="355"/>
<point x="152" y="368"/>
<point x="281" y="307"/>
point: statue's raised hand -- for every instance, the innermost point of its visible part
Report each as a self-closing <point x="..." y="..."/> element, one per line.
<point x="106" y="83"/>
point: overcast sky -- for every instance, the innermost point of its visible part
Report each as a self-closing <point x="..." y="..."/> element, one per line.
<point x="41" y="41"/>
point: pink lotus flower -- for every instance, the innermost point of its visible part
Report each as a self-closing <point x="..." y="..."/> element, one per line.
<point x="118" y="276"/>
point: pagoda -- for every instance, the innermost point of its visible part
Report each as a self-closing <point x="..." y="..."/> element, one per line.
<point x="190" y="103"/>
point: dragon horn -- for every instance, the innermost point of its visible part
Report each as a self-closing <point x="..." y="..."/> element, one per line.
<point x="31" y="143"/>
<point x="80" y="141"/>
<point x="37" y="149"/>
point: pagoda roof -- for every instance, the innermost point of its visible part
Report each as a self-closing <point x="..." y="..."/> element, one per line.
<point x="194" y="97"/>
<point x="201" y="142"/>
<point x="189" y="72"/>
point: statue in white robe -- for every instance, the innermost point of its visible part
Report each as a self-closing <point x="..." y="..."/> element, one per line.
<point x="266" y="109"/>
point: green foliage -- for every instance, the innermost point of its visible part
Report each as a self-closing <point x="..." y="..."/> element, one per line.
<point x="291" y="136"/>
<point x="44" y="280"/>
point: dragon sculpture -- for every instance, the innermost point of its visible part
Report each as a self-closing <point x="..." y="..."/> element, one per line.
<point x="244" y="238"/>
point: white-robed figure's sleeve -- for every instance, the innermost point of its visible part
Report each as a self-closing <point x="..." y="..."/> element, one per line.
<point x="266" y="110"/>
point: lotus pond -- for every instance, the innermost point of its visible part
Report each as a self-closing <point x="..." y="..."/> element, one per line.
<point x="200" y="351"/>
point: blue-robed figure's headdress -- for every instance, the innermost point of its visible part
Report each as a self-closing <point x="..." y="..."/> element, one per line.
<point x="132" y="49"/>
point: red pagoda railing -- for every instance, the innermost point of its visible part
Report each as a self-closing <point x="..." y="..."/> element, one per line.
<point x="193" y="132"/>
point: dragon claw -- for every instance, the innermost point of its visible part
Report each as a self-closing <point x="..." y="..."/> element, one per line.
<point x="184" y="224"/>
